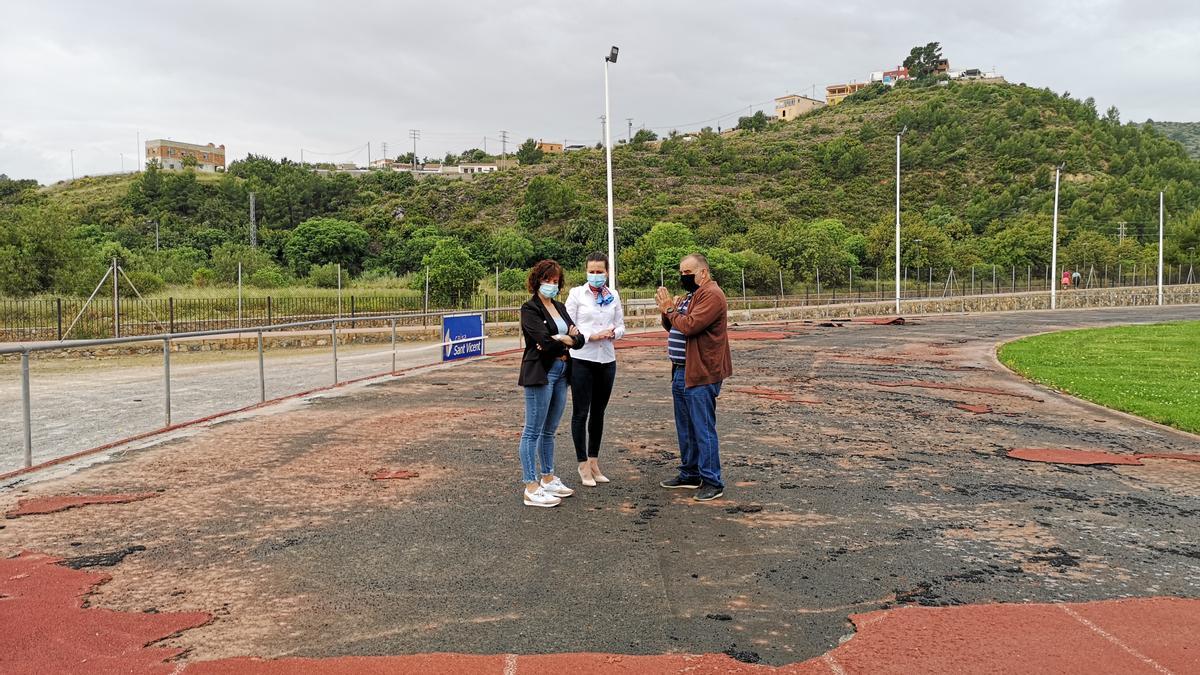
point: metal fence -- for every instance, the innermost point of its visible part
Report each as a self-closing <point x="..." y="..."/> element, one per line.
<point x="166" y="339"/>
<point x="47" y="319"/>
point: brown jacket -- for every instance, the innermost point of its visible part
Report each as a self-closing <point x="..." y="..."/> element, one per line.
<point x="706" y="327"/>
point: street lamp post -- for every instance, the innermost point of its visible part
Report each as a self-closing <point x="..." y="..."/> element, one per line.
<point x="612" y="241"/>
<point x="1054" y="243"/>
<point x="902" y="131"/>
<point x="1160" y="248"/>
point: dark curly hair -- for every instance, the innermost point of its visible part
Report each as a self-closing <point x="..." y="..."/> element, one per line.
<point x="545" y="269"/>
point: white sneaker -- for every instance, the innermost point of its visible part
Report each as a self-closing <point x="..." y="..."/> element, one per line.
<point x="556" y="488"/>
<point x="540" y="497"/>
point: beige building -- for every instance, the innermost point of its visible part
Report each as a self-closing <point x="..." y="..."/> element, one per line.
<point x="836" y="93"/>
<point x="794" y="105"/>
<point x="170" y="154"/>
<point x="550" y="148"/>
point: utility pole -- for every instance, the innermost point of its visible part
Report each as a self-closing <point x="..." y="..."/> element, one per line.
<point x="1121" y="231"/>
<point x="1160" y="248"/>
<point x="385" y="150"/>
<point x="902" y="131"/>
<point x="415" y="135"/>
<point x="1054" y="243"/>
<point x="604" y="129"/>
<point x="122" y="162"/>
<point x="253" y="224"/>
<point x="503" y="144"/>
<point x="368" y="154"/>
<point x="629" y="121"/>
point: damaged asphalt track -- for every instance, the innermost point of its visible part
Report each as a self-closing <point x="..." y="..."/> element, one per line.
<point x="865" y="465"/>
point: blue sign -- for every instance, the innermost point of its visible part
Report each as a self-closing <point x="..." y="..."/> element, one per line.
<point x="462" y="336"/>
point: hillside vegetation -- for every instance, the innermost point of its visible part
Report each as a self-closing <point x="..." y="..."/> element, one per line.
<point x="1186" y="134"/>
<point x="814" y="193"/>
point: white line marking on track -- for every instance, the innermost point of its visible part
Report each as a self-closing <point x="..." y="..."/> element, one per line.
<point x="510" y="664"/>
<point x="833" y="664"/>
<point x="1116" y="641"/>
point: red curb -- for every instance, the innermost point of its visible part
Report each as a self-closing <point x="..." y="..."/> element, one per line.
<point x="47" y="630"/>
<point x="35" y="506"/>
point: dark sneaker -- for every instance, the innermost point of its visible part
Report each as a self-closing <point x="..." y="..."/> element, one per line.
<point x="677" y="483"/>
<point x="708" y="493"/>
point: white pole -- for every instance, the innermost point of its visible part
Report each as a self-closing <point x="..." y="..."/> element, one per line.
<point x="612" y="244"/>
<point x="239" y="294"/>
<point x="898" y="218"/>
<point x="339" y="268"/>
<point x="1160" y="248"/>
<point x="1054" y="246"/>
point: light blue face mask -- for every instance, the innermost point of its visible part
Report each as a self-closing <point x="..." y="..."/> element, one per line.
<point x="549" y="290"/>
<point x="597" y="280"/>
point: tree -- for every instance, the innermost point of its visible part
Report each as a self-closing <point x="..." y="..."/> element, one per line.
<point x="318" y="241"/>
<point x="755" y="122"/>
<point x="511" y="248"/>
<point x="453" y="274"/>
<point x="659" y="249"/>
<point x="189" y="162"/>
<point x="529" y="152"/>
<point x="547" y="199"/>
<point x="923" y="61"/>
<point x="643" y="136"/>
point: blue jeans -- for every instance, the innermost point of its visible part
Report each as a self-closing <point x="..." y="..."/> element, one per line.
<point x="696" y="425"/>
<point x="543" y="409"/>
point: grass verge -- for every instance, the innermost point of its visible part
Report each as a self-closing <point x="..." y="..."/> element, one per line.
<point x="1152" y="371"/>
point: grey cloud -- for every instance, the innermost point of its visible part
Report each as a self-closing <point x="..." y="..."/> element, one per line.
<point x="272" y="77"/>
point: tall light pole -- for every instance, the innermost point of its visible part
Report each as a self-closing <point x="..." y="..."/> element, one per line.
<point x="1160" y="248"/>
<point x="902" y="131"/>
<point x="1054" y="242"/>
<point x="612" y="242"/>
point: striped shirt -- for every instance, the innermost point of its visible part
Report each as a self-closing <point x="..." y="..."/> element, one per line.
<point x="676" y="341"/>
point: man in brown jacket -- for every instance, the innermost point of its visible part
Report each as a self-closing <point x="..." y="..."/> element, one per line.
<point x="698" y="347"/>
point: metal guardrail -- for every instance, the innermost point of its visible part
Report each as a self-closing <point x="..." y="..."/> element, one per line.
<point x="633" y="308"/>
<point x="167" y="338"/>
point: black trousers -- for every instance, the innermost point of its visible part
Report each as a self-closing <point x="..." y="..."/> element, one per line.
<point x="591" y="387"/>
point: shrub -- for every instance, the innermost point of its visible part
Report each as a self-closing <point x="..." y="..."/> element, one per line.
<point x="268" y="277"/>
<point x="324" y="276"/>
<point x="203" y="276"/>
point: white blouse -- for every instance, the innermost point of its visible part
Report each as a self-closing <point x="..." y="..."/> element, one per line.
<point x="592" y="318"/>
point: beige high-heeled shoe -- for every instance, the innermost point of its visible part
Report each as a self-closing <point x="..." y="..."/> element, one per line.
<point x="585" y="476"/>
<point x="597" y="476"/>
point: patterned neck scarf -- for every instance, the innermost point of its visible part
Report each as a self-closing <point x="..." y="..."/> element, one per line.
<point x="603" y="296"/>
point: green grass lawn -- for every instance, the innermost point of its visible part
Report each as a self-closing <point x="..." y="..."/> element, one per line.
<point x="1152" y="371"/>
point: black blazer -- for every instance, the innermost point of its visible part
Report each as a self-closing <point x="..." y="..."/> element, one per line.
<point x="538" y="329"/>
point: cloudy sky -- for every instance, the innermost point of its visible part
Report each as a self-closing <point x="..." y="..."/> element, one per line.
<point x="272" y="77"/>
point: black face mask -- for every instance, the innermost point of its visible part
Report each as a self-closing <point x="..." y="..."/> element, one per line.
<point x="688" y="281"/>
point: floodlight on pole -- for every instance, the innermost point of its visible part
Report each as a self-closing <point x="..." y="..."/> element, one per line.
<point x="612" y="242"/>
<point x="902" y="132"/>
<point x="1054" y="242"/>
<point x="1160" y="248"/>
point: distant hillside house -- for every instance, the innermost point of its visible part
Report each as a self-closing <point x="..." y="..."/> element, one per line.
<point x="476" y="168"/>
<point x="836" y="93"/>
<point x="550" y="148"/>
<point x="170" y="154"/>
<point x="890" y="76"/>
<point x="976" y="75"/>
<point x="794" y="105"/>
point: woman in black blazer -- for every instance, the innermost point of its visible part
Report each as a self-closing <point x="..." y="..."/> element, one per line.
<point x="545" y="371"/>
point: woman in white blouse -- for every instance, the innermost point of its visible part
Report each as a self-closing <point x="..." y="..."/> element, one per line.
<point x="596" y="310"/>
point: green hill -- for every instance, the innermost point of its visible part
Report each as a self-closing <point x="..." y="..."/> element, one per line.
<point x="814" y="193"/>
<point x="1186" y="134"/>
